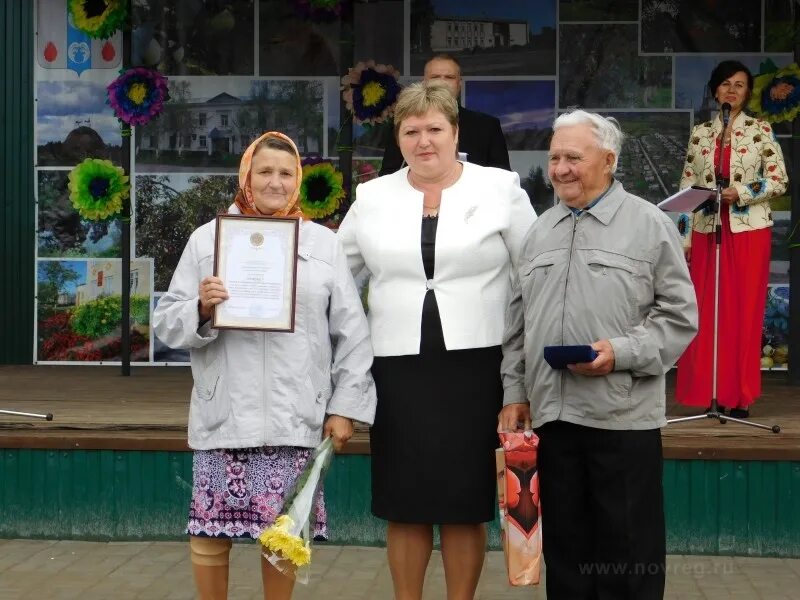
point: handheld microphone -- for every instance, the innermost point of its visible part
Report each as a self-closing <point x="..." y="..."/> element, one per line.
<point x="726" y="114"/>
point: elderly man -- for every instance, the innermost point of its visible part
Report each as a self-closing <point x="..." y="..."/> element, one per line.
<point x="602" y="268"/>
<point x="479" y="135"/>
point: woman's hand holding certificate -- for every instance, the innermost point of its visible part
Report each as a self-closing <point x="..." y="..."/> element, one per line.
<point x="211" y="292"/>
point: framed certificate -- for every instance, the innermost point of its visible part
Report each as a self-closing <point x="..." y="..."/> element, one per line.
<point x="256" y="259"/>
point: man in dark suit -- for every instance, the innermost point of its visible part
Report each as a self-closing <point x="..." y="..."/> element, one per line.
<point x="479" y="134"/>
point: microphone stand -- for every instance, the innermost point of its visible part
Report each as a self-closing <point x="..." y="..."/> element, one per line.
<point x="713" y="412"/>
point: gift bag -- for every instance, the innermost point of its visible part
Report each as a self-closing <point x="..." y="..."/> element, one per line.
<point x="518" y="497"/>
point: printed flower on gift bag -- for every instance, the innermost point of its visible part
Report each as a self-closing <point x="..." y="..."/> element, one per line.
<point x="520" y="507"/>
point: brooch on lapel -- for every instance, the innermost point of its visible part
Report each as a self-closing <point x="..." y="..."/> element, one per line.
<point x="470" y="211"/>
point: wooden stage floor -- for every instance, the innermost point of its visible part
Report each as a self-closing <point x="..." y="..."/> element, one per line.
<point x="97" y="408"/>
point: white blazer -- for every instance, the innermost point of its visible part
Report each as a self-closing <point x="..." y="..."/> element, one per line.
<point x="483" y="219"/>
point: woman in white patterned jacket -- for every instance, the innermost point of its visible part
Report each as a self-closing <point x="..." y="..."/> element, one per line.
<point x="750" y="161"/>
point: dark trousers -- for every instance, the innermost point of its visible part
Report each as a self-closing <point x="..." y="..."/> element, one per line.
<point x="602" y="512"/>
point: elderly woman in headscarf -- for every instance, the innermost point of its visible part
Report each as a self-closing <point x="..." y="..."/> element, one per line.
<point x="262" y="401"/>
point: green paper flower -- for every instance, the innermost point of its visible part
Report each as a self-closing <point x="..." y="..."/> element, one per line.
<point x="321" y="192"/>
<point x="98" y="19"/>
<point x="97" y="188"/>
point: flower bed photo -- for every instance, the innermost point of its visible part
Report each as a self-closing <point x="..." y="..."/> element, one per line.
<point x="80" y="310"/>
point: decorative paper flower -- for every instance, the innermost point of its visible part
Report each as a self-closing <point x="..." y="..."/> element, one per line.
<point x="138" y="95"/>
<point x="321" y="191"/>
<point x="776" y="96"/>
<point x="96" y="189"/>
<point x="98" y="19"/>
<point x="322" y="10"/>
<point x="370" y="91"/>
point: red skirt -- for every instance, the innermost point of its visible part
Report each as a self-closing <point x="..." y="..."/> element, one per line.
<point x="744" y="273"/>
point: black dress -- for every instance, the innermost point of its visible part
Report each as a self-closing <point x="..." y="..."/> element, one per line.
<point x="435" y="427"/>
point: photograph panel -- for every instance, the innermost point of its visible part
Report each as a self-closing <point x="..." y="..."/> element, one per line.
<point x="187" y="37"/>
<point x="653" y="152"/>
<point x="62" y="232"/>
<point x="169" y="208"/>
<point x="670" y="26"/>
<point x="775" y="338"/>
<point x="598" y="10"/>
<point x="73" y="121"/>
<point x="784" y="202"/>
<point x="79" y="310"/>
<point x="600" y="67"/>
<point x="515" y="37"/>
<point x="780" y="29"/>
<point x="779" y="254"/>
<point x="293" y="45"/>
<point x="526" y="109"/>
<point x="365" y="169"/>
<point x="369" y="141"/>
<point x="209" y="122"/>
<point x="379" y="33"/>
<point x="532" y="170"/>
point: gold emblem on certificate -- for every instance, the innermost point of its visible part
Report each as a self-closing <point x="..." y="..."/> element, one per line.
<point x="256" y="239"/>
<point x="256" y="258"/>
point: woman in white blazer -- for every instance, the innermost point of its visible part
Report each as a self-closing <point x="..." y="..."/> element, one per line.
<point x="439" y="239"/>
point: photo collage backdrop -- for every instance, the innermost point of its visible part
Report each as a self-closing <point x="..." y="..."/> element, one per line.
<point x="237" y="68"/>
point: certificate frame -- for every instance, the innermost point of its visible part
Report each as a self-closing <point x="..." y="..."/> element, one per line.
<point x="262" y="283"/>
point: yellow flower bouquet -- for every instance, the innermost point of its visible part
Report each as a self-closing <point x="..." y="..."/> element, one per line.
<point x="286" y="544"/>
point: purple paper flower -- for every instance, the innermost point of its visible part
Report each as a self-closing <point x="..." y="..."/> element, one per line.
<point x="138" y="95"/>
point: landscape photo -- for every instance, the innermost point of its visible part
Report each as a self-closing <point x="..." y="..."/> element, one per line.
<point x="514" y="37"/>
<point x="600" y="67"/>
<point x="292" y="44"/>
<point x="169" y="208"/>
<point x="62" y="232"/>
<point x="532" y="170"/>
<point x="187" y="37"/>
<point x="78" y="310"/>
<point x="653" y="152"/>
<point x="598" y="10"/>
<point x="700" y="26"/>
<point x="526" y="109"/>
<point x="73" y="121"/>
<point x="209" y="122"/>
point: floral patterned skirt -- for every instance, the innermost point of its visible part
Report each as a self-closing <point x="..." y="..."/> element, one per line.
<point x="238" y="493"/>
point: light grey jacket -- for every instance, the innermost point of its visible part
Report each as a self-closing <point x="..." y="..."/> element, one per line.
<point x="254" y="388"/>
<point x="615" y="272"/>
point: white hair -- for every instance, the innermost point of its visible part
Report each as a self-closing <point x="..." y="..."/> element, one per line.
<point x="607" y="131"/>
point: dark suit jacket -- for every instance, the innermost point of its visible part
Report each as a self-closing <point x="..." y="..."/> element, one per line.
<point x="479" y="135"/>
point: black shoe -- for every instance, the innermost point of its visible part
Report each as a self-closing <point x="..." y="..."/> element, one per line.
<point x="740" y="413"/>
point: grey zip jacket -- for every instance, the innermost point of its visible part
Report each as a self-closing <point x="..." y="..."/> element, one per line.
<point x="614" y="272"/>
<point x="254" y="388"/>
